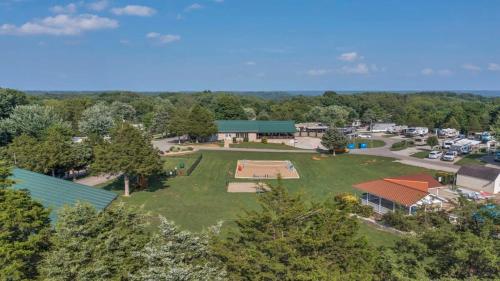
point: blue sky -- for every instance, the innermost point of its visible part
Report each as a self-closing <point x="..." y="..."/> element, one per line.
<point x="249" y="45"/>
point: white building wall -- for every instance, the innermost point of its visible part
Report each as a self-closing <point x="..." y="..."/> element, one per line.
<point x="478" y="184"/>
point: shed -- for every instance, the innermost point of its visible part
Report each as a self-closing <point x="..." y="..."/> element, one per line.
<point x="479" y="178"/>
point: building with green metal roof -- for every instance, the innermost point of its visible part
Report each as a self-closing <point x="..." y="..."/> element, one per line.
<point x="54" y="193"/>
<point x="255" y="130"/>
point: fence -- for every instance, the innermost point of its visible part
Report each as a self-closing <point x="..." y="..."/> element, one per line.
<point x="194" y="165"/>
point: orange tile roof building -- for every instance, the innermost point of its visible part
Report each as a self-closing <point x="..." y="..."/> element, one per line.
<point x="405" y="193"/>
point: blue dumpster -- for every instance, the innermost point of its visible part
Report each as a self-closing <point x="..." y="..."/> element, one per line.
<point x="351" y="146"/>
<point x="363" y="145"/>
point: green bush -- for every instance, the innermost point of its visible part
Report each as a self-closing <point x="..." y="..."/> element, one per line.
<point x="364" y="210"/>
<point x="446" y="178"/>
<point x="235" y="140"/>
<point x="264" y="140"/>
<point x="402" y="145"/>
<point x="399" y="221"/>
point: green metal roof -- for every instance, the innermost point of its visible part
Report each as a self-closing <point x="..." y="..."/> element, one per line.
<point x="255" y="126"/>
<point x="54" y="193"/>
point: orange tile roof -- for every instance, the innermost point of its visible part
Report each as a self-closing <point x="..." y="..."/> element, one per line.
<point x="405" y="190"/>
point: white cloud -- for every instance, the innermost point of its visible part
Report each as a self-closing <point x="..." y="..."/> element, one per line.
<point x="251" y="63"/>
<point x="60" y="25"/>
<point x="493" y="66"/>
<point x="163" y="38"/>
<point x="471" y="67"/>
<point x="193" y="7"/>
<point x="98" y="5"/>
<point x="444" y="72"/>
<point x="351" y="56"/>
<point x="359" y="68"/>
<point x="441" y="72"/>
<point x="134" y="10"/>
<point x="68" y="9"/>
<point x="427" y="71"/>
<point x="317" y="72"/>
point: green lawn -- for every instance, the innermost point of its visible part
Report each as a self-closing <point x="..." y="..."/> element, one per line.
<point x="371" y="143"/>
<point x="263" y="145"/>
<point x="170" y="162"/>
<point x="421" y="154"/>
<point x="471" y="159"/>
<point x="200" y="200"/>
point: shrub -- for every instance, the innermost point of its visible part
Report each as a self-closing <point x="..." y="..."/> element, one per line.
<point x="235" y="140"/>
<point x="446" y="178"/>
<point x="399" y="221"/>
<point x="364" y="210"/>
<point x="245" y="139"/>
<point x="264" y="140"/>
<point x="190" y="148"/>
<point x="402" y="145"/>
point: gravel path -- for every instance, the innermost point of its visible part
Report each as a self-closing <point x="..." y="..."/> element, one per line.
<point x="96" y="180"/>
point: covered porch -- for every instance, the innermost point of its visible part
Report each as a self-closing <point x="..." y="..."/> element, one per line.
<point x="382" y="206"/>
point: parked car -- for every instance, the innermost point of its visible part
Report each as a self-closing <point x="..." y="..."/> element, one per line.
<point x="435" y="154"/>
<point x="448" y="156"/>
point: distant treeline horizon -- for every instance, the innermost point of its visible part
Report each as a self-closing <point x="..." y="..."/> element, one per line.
<point x="272" y="94"/>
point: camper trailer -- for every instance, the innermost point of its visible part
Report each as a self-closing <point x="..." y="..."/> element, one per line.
<point x="416" y="131"/>
<point x="447" y="133"/>
<point x="464" y="146"/>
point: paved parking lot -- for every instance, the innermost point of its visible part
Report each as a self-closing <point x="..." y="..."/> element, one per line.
<point x="308" y="143"/>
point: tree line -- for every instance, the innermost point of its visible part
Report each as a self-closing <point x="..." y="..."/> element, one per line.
<point x="465" y="112"/>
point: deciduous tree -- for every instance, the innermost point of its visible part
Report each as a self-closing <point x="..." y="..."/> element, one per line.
<point x="96" y="120"/>
<point x="432" y="141"/>
<point x="130" y="152"/>
<point x="32" y="120"/>
<point x="201" y="123"/>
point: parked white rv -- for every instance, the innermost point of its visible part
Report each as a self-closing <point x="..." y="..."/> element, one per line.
<point x="397" y="129"/>
<point x="464" y="146"/>
<point x="381" y="127"/>
<point x="448" y="133"/>
<point x="416" y="131"/>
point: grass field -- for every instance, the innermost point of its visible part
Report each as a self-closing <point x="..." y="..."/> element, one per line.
<point x="200" y="200"/>
<point x="170" y="162"/>
<point x="263" y="145"/>
<point x="371" y="143"/>
<point x="421" y="154"/>
<point x="471" y="159"/>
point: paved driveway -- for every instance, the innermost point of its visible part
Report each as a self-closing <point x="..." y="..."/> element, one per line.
<point x="166" y="143"/>
<point x="308" y="143"/>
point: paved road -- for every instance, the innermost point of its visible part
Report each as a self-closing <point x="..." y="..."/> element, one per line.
<point x="385" y="151"/>
<point x="255" y="149"/>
